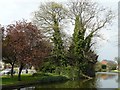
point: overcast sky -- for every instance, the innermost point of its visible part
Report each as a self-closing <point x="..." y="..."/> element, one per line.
<point x="13" y="10"/>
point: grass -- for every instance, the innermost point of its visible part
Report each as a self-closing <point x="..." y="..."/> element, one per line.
<point x="7" y="80"/>
<point x="117" y="89"/>
<point x="115" y="71"/>
<point x="41" y="77"/>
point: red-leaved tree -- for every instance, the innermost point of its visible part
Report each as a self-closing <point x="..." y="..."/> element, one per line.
<point x="27" y="43"/>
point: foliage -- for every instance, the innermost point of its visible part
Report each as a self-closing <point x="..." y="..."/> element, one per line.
<point x="85" y="16"/>
<point x="23" y="38"/>
<point x="112" y="66"/>
<point x="104" y="66"/>
<point x="53" y="79"/>
<point x="26" y="79"/>
<point x="40" y="74"/>
<point x="27" y="44"/>
<point x="50" y="18"/>
<point x="8" y="55"/>
<point x="48" y="67"/>
<point x="98" y="66"/>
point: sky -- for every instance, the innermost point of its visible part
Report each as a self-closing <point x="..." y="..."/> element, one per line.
<point x="13" y="10"/>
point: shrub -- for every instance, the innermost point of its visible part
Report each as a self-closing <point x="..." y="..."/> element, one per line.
<point x="104" y="66"/>
<point x="40" y="74"/>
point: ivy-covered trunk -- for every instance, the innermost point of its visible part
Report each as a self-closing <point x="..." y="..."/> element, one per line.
<point x="78" y="38"/>
<point x="58" y="51"/>
<point x="81" y="50"/>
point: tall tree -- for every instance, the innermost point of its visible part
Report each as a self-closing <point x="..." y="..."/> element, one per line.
<point x="89" y="18"/>
<point x="24" y="40"/>
<point x="50" y="17"/>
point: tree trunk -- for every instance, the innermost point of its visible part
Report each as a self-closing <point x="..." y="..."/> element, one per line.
<point x="20" y="70"/>
<point x="12" y="69"/>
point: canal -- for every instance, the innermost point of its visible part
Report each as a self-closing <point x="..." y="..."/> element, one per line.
<point x="102" y="80"/>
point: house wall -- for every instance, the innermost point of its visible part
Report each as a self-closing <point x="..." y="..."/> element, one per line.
<point x="1" y="65"/>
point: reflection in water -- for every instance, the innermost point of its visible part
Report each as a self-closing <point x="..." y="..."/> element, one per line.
<point x="107" y="80"/>
<point x="71" y="84"/>
<point x="102" y="80"/>
<point x="106" y="76"/>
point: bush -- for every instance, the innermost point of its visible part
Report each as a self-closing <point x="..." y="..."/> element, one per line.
<point x="46" y="78"/>
<point x="39" y="74"/>
<point x="104" y="66"/>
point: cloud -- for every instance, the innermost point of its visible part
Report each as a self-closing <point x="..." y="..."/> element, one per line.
<point x="12" y="10"/>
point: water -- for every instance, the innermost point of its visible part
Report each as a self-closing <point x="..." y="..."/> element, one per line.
<point x="102" y="80"/>
<point x="107" y="80"/>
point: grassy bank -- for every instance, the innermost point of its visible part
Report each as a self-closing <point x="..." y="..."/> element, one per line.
<point x="26" y="79"/>
<point x="115" y="71"/>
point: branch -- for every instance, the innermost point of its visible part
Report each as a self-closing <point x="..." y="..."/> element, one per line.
<point x="99" y="27"/>
<point x="43" y="18"/>
<point x="86" y="76"/>
<point x="89" y="19"/>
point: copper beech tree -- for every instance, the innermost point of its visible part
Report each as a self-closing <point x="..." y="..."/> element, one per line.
<point x="27" y="43"/>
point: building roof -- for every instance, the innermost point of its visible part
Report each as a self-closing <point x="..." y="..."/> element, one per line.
<point x="108" y="61"/>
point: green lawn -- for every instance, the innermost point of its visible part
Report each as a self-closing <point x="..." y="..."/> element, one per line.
<point x="45" y="78"/>
<point x="25" y="78"/>
<point x="115" y="71"/>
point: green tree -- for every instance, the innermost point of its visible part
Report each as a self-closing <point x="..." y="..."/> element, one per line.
<point x="88" y="21"/>
<point x="50" y="18"/>
<point x="104" y="66"/>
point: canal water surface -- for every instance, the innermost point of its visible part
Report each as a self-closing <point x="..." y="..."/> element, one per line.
<point x="102" y="80"/>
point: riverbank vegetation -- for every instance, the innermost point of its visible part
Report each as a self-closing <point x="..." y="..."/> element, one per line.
<point x="31" y="79"/>
<point x="44" y="43"/>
